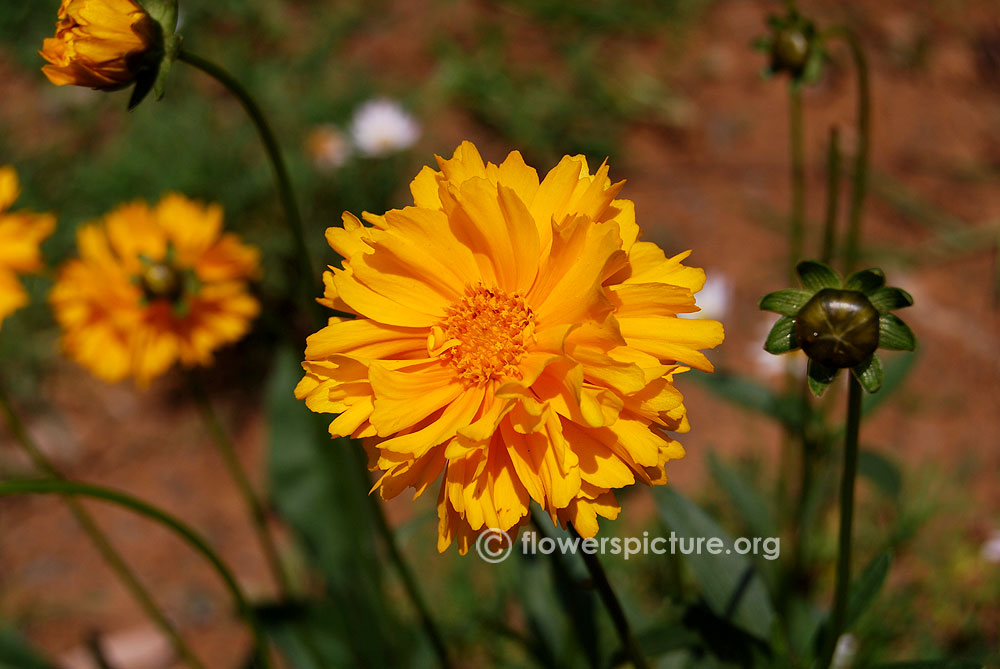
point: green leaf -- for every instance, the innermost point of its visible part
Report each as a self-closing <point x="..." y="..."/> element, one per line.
<point x="894" y="334"/>
<point x="749" y="394"/>
<point x="866" y="587"/>
<point x="16" y="653"/>
<point x="867" y="281"/>
<point x="819" y="377"/>
<point x="935" y="664"/>
<point x="745" y="498"/>
<point x="785" y="302"/>
<point x="729" y="583"/>
<point x="781" y="338"/>
<point x="869" y="374"/>
<point x="888" y="298"/>
<point x="816" y="276"/>
<point x="881" y="471"/>
<point x="306" y="633"/>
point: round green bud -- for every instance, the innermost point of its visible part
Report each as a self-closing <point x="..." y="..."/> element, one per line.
<point x="161" y="281"/>
<point x="838" y="328"/>
<point x="790" y="50"/>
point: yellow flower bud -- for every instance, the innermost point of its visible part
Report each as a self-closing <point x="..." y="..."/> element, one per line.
<point x="103" y="44"/>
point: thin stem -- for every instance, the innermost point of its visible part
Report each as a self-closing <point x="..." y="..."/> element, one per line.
<point x="832" y="195"/>
<point x="859" y="182"/>
<point x="796" y="229"/>
<point x="405" y="574"/>
<point x="258" y="514"/>
<point x="274" y="154"/>
<point x="164" y="519"/>
<point x="843" y="583"/>
<point x="612" y="605"/>
<point x="93" y="531"/>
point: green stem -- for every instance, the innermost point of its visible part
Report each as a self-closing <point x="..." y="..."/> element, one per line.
<point x="162" y="518"/>
<point x="405" y="574"/>
<point x="93" y="531"/>
<point x="258" y="514"/>
<point x="859" y="183"/>
<point x="274" y="154"/>
<point x="612" y="605"/>
<point x="842" y="589"/>
<point x="832" y="196"/>
<point x="796" y="229"/>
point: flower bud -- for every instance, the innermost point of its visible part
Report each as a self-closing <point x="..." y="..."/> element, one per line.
<point x="790" y="51"/>
<point x="103" y="44"/>
<point x="160" y="280"/>
<point x="838" y="328"/>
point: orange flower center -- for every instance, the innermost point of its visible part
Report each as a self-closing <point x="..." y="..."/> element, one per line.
<point x="485" y="334"/>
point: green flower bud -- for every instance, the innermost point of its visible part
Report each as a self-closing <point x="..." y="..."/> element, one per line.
<point x="790" y="51"/>
<point x="161" y="281"/>
<point x="838" y="328"/>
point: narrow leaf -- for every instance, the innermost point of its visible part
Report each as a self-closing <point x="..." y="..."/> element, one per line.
<point x="867" y="280"/>
<point x="749" y="394"/>
<point x="16" y="653"/>
<point x="816" y="276"/>
<point x="888" y="298"/>
<point x="781" y="338"/>
<point x="746" y="499"/>
<point x="869" y="374"/>
<point x="785" y="302"/>
<point x="881" y="471"/>
<point x="864" y="590"/>
<point x="894" y="334"/>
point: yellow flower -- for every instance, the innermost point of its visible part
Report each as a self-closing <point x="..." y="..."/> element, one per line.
<point x="102" y="44"/>
<point x="512" y="334"/>
<point x="153" y="286"/>
<point x="21" y="233"/>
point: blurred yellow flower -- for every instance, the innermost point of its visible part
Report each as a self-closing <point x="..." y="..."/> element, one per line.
<point x="153" y="286"/>
<point x="513" y="334"/>
<point x="102" y="44"/>
<point x="21" y="233"/>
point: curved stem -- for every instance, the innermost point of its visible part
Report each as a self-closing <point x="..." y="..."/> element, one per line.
<point x="274" y="154"/>
<point x="612" y="605"/>
<point x="842" y="588"/>
<point x="859" y="182"/>
<point x="832" y="196"/>
<point x="164" y="519"/>
<point x="405" y="574"/>
<point x="93" y="531"/>
<point x="797" y="224"/>
<point x="258" y="515"/>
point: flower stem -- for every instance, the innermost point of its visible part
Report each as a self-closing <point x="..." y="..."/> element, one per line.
<point x="164" y="519"/>
<point x="843" y="582"/>
<point x="859" y="183"/>
<point x="832" y="196"/>
<point x="273" y="149"/>
<point x="405" y="574"/>
<point x="796" y="228"/>
<point x="93" y="531"/>
<point x="258" y="514"/>
<point x="612" y="605"/>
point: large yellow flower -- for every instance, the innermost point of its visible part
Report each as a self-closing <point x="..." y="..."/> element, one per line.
<point x="21" y="233"/>
<point x="153" y="286"/>
<point x="101" y="44"/>
<point x="512" y="334"/>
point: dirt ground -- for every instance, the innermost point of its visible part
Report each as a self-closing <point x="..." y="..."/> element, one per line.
<point x="707" y="183"/>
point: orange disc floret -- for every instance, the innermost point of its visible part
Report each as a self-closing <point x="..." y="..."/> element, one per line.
<point x="154" y="286"/>
<point x="512" y="337"/>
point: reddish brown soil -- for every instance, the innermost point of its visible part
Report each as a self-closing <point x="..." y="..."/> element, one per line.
<point x="700" y="184"/>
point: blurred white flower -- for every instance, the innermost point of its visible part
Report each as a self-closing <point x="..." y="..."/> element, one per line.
<point x="327" y="147"/>
<point x="141" y="647"/>
<point x="843" y="655"/>
<point x="991" y="549"/>
<point x="382" y="126"/>
<point x="714" y="298"/>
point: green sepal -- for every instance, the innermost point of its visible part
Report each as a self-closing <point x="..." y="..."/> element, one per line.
<point x="816" y="276"/>
<point x="888" y="298"/>
<point x="785" y="302"/>
<point x="894" y="334"/>
<point x="869" y="374"/>
<point x="761" y="44"/>
<point x="819" y="377"/>
<point x="164" y="13"/>
<point x="813" y="70"/>
<point x="867" y="281"/>
<point x="781" y="338"/>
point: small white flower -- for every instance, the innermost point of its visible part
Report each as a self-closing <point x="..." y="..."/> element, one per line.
<point x="843" y="655"/>
<point x="327" y="147"/>
<point x="714" y="298"/>
<point x="382" y="126"/>
<point x="991" y="549"/>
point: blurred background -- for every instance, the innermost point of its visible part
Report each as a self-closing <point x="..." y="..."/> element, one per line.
<point x="362" y="93"/>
